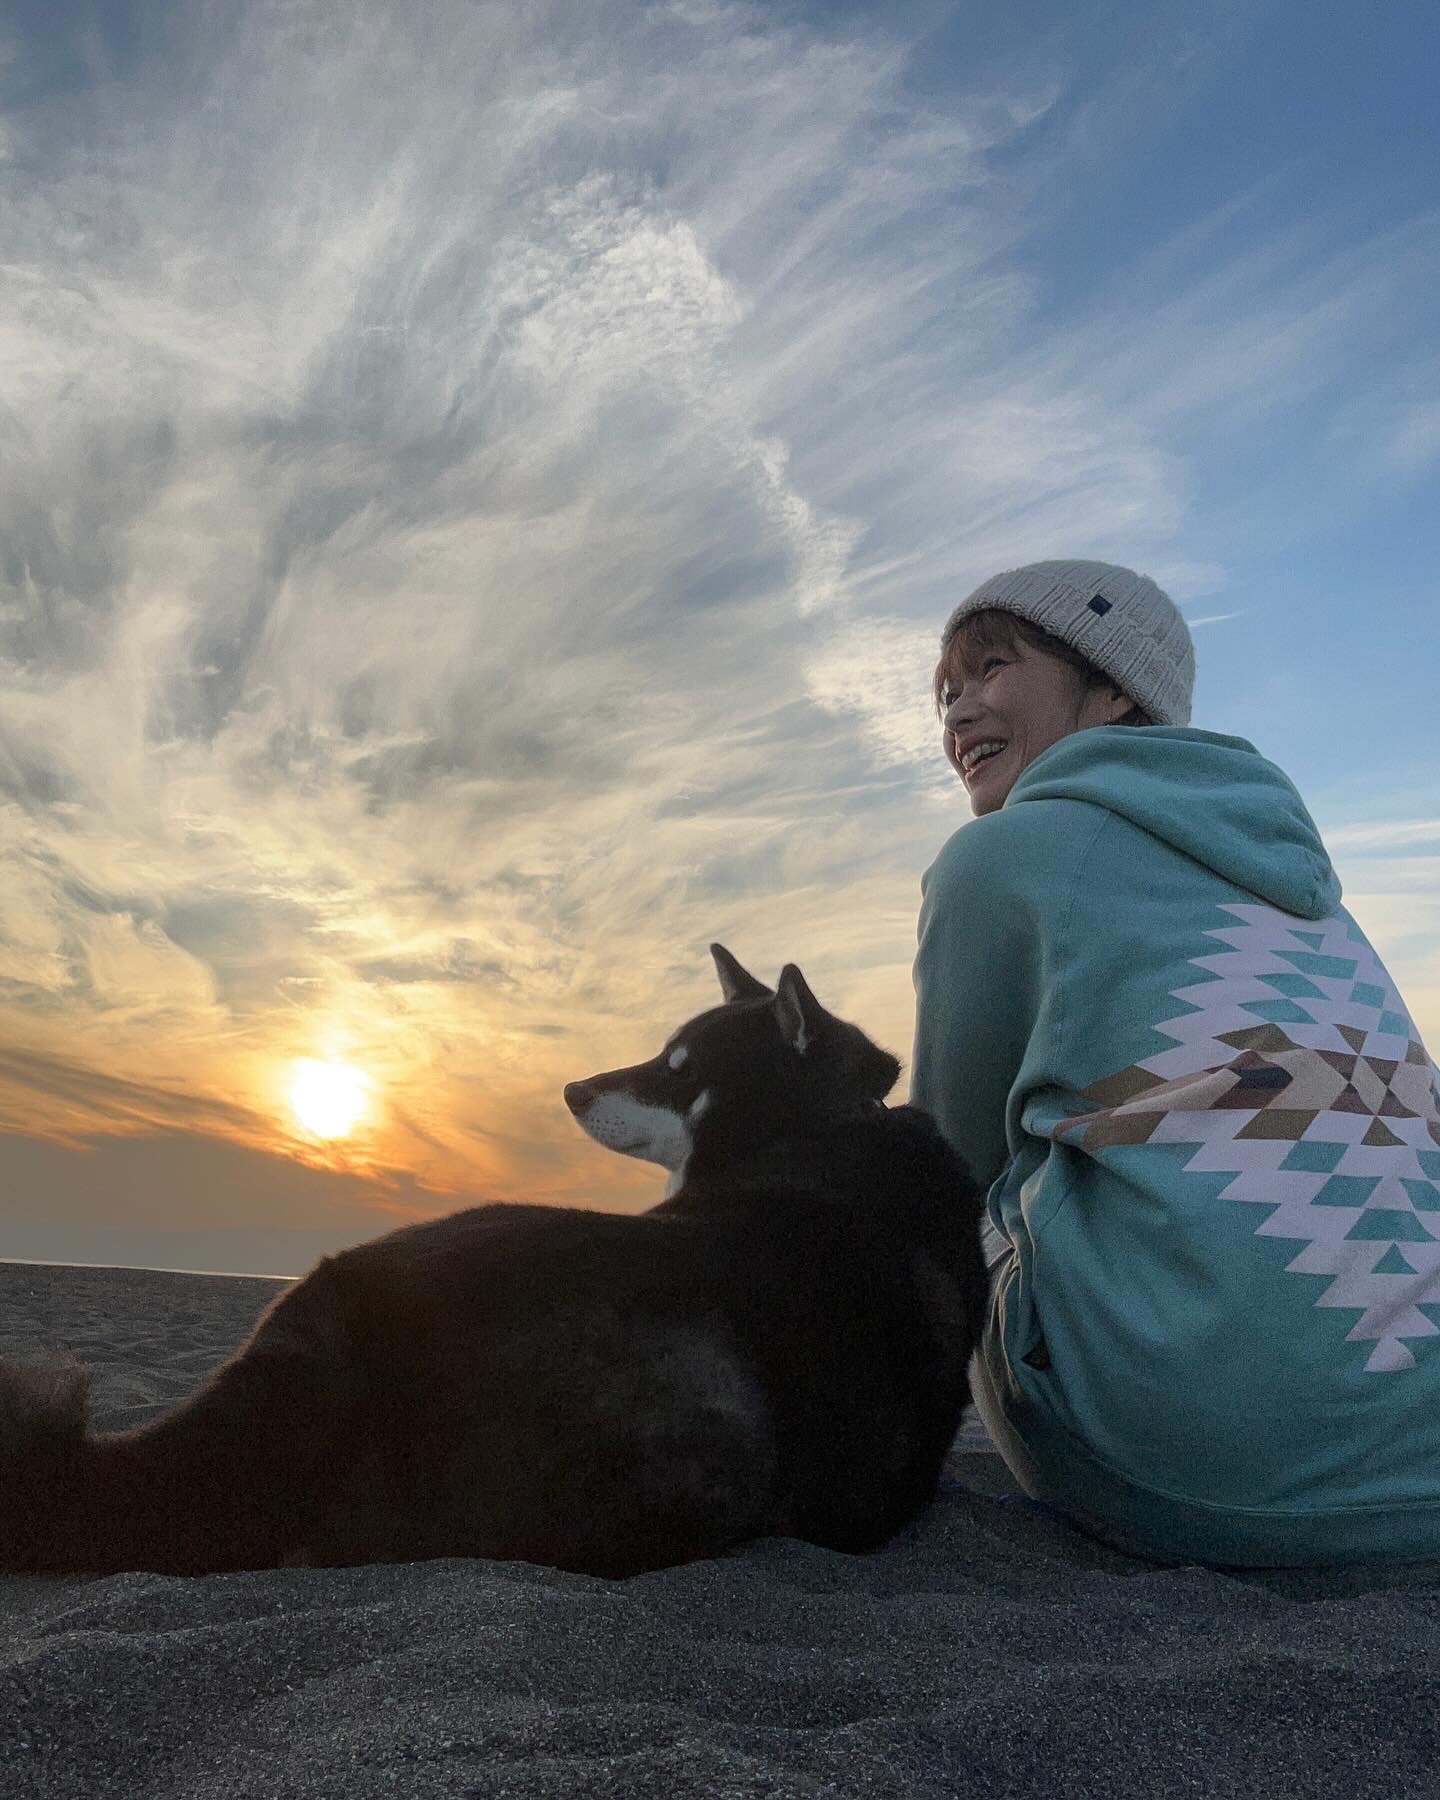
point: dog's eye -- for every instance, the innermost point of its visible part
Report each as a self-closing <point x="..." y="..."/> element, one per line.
<point x="678" y="1066"/>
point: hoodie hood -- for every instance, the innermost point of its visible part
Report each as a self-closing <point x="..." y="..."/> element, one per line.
<point x="1215" y="798"/>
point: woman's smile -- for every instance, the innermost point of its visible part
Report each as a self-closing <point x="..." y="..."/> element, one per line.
<point x="978" y="755"/>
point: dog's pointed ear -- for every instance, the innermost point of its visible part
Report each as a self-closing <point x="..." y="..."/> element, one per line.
<point x="802" y="1017"/>
<point x="736" y="983"/>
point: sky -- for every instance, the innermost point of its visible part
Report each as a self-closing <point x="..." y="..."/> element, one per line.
<point x="480" y="485"/>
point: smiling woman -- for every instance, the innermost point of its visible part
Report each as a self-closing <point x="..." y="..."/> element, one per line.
<point x="1201" y="1110"/>
<point x="329" y="1098"/>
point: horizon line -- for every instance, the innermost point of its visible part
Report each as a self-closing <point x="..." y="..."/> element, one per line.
<point x="39" y="1262"/>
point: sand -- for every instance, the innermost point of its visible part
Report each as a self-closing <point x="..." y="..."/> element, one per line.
<point x="988" y="1651"/>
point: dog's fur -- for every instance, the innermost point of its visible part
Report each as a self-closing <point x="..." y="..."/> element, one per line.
<point x="780" y="1347"/>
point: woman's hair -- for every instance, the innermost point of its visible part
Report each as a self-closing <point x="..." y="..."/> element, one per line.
<point x="995" y="629"/>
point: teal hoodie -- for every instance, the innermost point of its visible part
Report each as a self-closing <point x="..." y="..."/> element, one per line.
<point x="1211" y="1139"/>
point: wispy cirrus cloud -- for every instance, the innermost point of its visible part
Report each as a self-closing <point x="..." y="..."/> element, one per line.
<point x="1386" y="836"/>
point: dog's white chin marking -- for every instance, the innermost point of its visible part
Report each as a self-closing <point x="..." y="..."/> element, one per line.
<point x="652" y="1133"/>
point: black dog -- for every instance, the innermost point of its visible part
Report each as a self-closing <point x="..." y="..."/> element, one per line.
<point x="778" y="1348"/>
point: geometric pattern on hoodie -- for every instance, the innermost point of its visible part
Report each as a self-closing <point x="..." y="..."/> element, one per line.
<point x="1297" y="1070"/>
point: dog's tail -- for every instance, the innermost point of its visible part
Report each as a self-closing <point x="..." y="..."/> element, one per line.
<point x="225" y="1481"/>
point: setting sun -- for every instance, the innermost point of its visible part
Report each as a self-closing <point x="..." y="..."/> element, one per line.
<point x="329" y="1098"/>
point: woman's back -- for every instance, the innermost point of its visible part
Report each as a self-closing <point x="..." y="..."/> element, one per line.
<point x="1219" y="1177"/>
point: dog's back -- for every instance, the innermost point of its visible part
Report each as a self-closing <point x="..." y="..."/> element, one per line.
<point x="781" y="1347"/>
<point x="765" y="1356"/>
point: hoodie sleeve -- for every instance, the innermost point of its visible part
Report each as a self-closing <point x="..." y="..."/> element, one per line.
<point x="990" y="972"/>
<point x="979" y="987"/>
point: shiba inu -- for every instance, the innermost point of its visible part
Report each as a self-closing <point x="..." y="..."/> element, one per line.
<point x="780" y="1347"/>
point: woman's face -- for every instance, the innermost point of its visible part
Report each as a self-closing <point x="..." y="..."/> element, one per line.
<point x="1010" y="705"/>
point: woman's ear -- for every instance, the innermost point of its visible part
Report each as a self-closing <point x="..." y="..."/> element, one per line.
<point x="1118" y="706"/>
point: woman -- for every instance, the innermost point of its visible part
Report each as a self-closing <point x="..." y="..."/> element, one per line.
<point x="1208" y="1128"/>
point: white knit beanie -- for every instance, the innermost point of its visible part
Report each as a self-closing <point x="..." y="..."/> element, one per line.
<point x="1121" y="622"/>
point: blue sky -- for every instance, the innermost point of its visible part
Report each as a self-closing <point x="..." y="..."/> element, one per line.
<point x="480" y="484"/>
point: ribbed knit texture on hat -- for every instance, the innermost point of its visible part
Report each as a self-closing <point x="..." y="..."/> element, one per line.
<point x="1124" y="624"/>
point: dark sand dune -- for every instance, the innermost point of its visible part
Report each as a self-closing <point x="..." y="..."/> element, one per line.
<point x="988" y="1651"/>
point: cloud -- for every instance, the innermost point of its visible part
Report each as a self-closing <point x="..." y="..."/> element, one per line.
<point x="407" y="522"/>
<point x="1386" y="836"/>
<point x="92" y="1096"/>
<point x="881" y="672"/>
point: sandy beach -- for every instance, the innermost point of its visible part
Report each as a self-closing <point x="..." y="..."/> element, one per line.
<point x="987" y="1651"/>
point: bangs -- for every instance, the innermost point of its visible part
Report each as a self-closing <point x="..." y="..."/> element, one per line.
<point x="991" y="629"/>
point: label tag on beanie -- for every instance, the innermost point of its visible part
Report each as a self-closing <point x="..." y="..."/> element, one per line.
<point x="1100" y="605"/>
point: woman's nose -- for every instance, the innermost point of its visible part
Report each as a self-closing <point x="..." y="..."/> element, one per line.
<point x="960" y="711"/>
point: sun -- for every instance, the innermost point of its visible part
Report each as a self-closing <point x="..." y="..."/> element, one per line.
<point x="329" y="1098"/>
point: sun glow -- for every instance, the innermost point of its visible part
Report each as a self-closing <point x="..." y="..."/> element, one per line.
<point x="329" y="1098"/>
